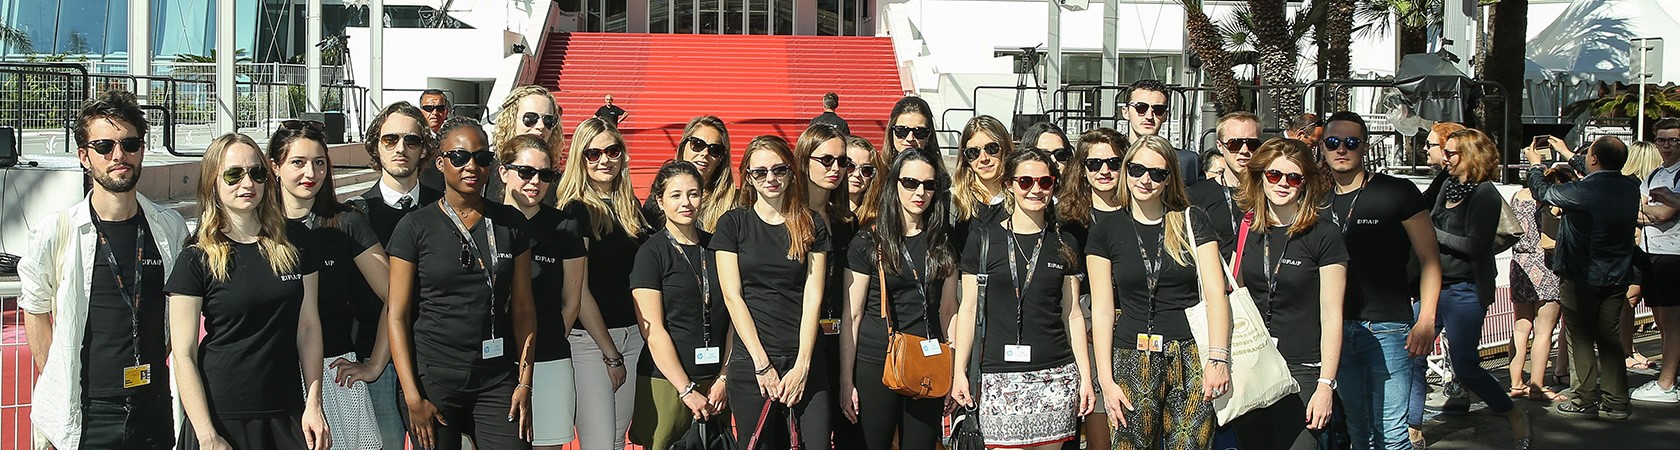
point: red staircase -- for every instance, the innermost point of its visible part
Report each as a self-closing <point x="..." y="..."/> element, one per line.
<point x="757" y="84"/>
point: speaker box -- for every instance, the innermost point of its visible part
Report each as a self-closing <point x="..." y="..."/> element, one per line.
<point x="8" y="147"/>
<point x="334" y="124"/>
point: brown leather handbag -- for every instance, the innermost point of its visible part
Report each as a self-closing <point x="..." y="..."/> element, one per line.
<point x="910" y="371"/>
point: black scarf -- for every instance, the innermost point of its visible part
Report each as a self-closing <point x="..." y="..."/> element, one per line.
<point x="1456" y="191"/>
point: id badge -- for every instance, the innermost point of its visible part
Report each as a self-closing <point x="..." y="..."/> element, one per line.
<point x="930" y="347"/>
<point x="136" y="376"/>
<point x="1150" y="342"/>
<point x="1017" y="353"/>
<point x="492" y="348"/>
<point x="830" y="326"/>
<point x="706" y="355"/>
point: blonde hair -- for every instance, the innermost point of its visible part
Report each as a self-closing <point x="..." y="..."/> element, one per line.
<point x="969" y="192"/>
<point x="869" y="207"/>
<point x="271" y="238"/>
<point x="1478" y="157"/>
<point x="1642" y="160"/>
<point x="625" y="210"/>
<point x="720" y="188"/>
<point x="507" y="119"/>
<point x="1173" y="198"/>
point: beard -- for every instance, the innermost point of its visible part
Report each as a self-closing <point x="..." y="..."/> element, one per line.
<point x="397" y="171"/>
<point x="118" y="185"/>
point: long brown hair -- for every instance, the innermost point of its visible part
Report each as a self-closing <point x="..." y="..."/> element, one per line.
<point x="1173" y="198"/>
<point x="968" y="192"/>
<point x="720" y="188"/>
<point x="625" y="210"/>
<point x="1073" y="197"/>
<point x="271" y="238"/>
<point x="795" y="211"/>
<point x="869" y="207"/>
<point x="1314" y="187"/>
<point x="325" y="205"/>
<point x="814" y="136"/>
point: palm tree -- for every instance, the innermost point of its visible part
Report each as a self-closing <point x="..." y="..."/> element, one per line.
<point x="1333" y="33"/>
<point x="1209" y="44"/>
<point x="1279" y="53"/>
<point x="1412" y="18"/>
<point x="1659" y="103"/>
<point x="16" y="39"/>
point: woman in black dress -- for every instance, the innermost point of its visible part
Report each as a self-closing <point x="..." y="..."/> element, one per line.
<point x="828" y="167"/>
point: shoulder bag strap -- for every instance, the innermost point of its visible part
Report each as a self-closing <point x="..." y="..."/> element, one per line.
<point x="881" y="280"/>
<point x="1242" y="241"/>
<point x="979" y="350"/>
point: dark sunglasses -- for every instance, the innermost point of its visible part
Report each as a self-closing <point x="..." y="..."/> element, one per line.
<point x="612" y="151"/>
<point x="309" y="125"/>
<point x="1292" y="179"/>
<point x="1141" y="107"/>
<point x="409" y="140"/>
<point x="526" y="172"/>
<point x="829" y="160"/>
<point x="1450" y="153"/>
<point x="904" y="132"/>
<point x="866" y="170"/>
<point x="911" y="184"/>
<point x="548" y="120"/>
<point x="258" y="174"/>
<point x="1044" y="182"/>
<point x="104" y="146"/>
<point x="435" y="108"/>
<point x="1138" y="170"/>
<point x="1237" y="144"/>
<point x="1062" y="155"/>
<point x="459" y="158"/>
<point x="779" y="170"/>
<point x="974" y="152"/>
<point x="697" y="145"/>
<point x="1096" y="164"/>
<point x="1352" y="143"/>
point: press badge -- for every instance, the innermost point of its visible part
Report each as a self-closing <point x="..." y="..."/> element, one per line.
<point x="930" y="347"/>
<point x="830" y="326"/>
<point x="706" y="355"/>
<point x="1017" y="353"/>
<point x="136" y="376"/>
<point x="492" y="348"/>
<point x="1150" y="342"/>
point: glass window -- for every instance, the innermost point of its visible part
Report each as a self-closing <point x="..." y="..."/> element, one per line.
<point x="618" y="15"/>
<point x="81" y="26"/>
<point x="1081" y="68"/>
<point x="782" y="12"/>
<point x="712" y="15"/>
<point x="848" y="17"/>
<point x="828" y="17"/>
<point x="682" y="17"/>
<point x="734" y="16"/>
<point x="659" y="16"/>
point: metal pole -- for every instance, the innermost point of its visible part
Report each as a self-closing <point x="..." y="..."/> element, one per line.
<point x="1639" y="125"/>
<point x="226" y="92"/>
<point x="140" y="44"/>
<point x="312" y="56"/>
<point x="376" y="55"/>
<point x="1111" y="54"/>
<point x="1053" y="66"/>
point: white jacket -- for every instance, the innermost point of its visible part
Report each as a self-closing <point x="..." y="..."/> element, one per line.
<point x="58" y="283"/>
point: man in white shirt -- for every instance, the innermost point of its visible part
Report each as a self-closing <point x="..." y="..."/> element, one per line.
<point x="1660" y="285"/>
<point x="103" y="261"/>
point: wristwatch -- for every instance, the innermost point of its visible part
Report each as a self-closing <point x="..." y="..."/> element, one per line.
<point x="1328" y="382"/>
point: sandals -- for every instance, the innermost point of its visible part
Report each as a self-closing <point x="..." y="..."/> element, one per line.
<point x="1638" y="362"/>
<point x="1541" y="393"/>
<point x="1520" y="391"/>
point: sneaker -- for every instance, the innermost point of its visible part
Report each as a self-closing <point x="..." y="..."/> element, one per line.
<point x="1614" y="414"/>
<point x="1651" y="392"/>
<point x="1570" y="409"/>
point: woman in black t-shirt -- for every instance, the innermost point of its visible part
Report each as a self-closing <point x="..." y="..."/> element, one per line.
<point x="1149" y="265"/>
<point x="462" y="323"/>
<point x="705" y="143"/>
<point x="1088" y="197"/>
<point x="977" y="193"/>
<point x="1034" y="385"/>
<point x="602" y="206"/>
<point x="911" y="245"/>
<point x="823" y="149"/>
<point x="680" y="305"/>
<point x="772" y="255"/>
<point x="557" y="267"/>
<point x="353" y="263"/>
<point x="251" y="277"/>
<point x="1295" y="268"/>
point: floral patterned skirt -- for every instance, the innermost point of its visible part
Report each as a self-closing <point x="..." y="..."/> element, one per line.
<point x="1027" y="409"/>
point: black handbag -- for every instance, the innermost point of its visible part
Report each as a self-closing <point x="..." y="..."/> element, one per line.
<point x="965" y="423"/>
<point x="710" y="434"/>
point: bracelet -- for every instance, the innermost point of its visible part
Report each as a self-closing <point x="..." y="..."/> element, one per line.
<point x="686" y="390"/>
<point x="1328" y="382"/>
<point x="522" y="385"/>
<point x="765" y="370"/>
<point x="613" y="362"/>
<point x="1224" y="361"/>
<point x="1226" y="351"/>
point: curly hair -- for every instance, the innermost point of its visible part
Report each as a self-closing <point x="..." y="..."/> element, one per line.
<point x="1478" y="157"/>
<point x="113" y="105"/>
<point x="507" y="119"/>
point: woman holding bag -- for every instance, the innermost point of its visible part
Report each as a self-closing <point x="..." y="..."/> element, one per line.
<point x="908" y="252"/>
<point x="1157" y="388"/>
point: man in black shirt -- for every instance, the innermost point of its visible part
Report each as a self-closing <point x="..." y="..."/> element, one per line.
<point x="831" y="102"/>
<point x="611" y="113"/>
<point x="99" y="342"/>
<point x="1384" y="221"/>
<point x="1146" y="111"/>
<point x="1595" y="262"/>
<point x="436" y="107"/>
<point x="1239" y="138"/>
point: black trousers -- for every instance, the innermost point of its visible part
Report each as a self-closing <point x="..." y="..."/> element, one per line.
<point x="1592" y="314"/>
<point x="1283" y="425"/>
<point x="272" y="433"/>
<point x="883" y="414"/>
<point x="812" y="415"/>
<point x="139" y="421"/>
<point x="478" y="410"/>
<point x="846" y="433"/>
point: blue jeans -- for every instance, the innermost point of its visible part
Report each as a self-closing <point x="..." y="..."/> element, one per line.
<point x="1420" y="376"/>
<point x="1462" y="314"/>
<point x="1376" y="383"/>
<point x="390" y="411"/>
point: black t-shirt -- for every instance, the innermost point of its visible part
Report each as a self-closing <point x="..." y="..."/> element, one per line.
<point x="962" y="229"/>
<point x="610" y="113"/>
<point x="553" y="242"/>
<point x="772" y="285"/>
<point x="1378" y="247"/>
<point x="248" y="357"/>
<point x="1082" y="236"/>
<point x="453" y="314"/>
<point x="109" y="344"/>
<point x="345" y="298"/>
<point x="1220" y="205"/>
<point x="1036" y="317"/>
<point x="841" y="234"/>
<point x="911" y="312"/>
<point x="1292" y="311"/>
<point x="660" y="267"/>
<point x="610" y="261"/>
<point x="1127" y="244"/>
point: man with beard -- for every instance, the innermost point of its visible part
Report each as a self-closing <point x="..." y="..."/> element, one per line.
<point x="1146" y="108"/>
<point x="1239" y="138"/>
<point x="103" y="261"/>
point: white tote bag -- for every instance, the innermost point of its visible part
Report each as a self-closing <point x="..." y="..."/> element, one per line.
<point x="1259" y="375"/>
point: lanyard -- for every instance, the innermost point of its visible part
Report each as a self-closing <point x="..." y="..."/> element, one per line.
<point x="921" y="285"/>
<point x="1152" y="267"/>
<point x="130" y="295"/>
<point x="1021" y="283"/>
<point x="1271" y="275"/>
<point x="705" y="283"/>
<point x="1345" y="221"/>
<point x="489" y="269"/>
<point x="1236" y="218"/>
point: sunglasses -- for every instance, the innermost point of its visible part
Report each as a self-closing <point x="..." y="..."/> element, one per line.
<point x="1096" y="164"/>
<point x="1062" y="155"/>
<point x="1141" y="107"/>
<point x="1237" y="144"/>
<point x="779" y="170"/>
<point x="308" y="125"/>
<point x="1450" y="153"/>
<point x="1138" y="170"/>
<point x="258" y="174"/>
<point x="612" y="151"/>
<point x="408" y="140"/>
<point x="1044" y="182"/>
<point x="866" y="170"/>
<point x="1290" y="179"/>
<point x="435" y="108"/>
<point x="104" y="146"/>
<point x="698" y="145"/>
<point x="974" y="152"/>
<point x="459" y="158"/>
<point x="1332" y="143"/>
<point x="526" y="172"/>
<point x="548" y="120"/>
<point x="829" y="160"/>
<point x="904" y="132"/>
<point x="912" y="184"/>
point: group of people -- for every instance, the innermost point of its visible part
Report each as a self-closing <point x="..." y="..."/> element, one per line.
<point x="509" y="287"/>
